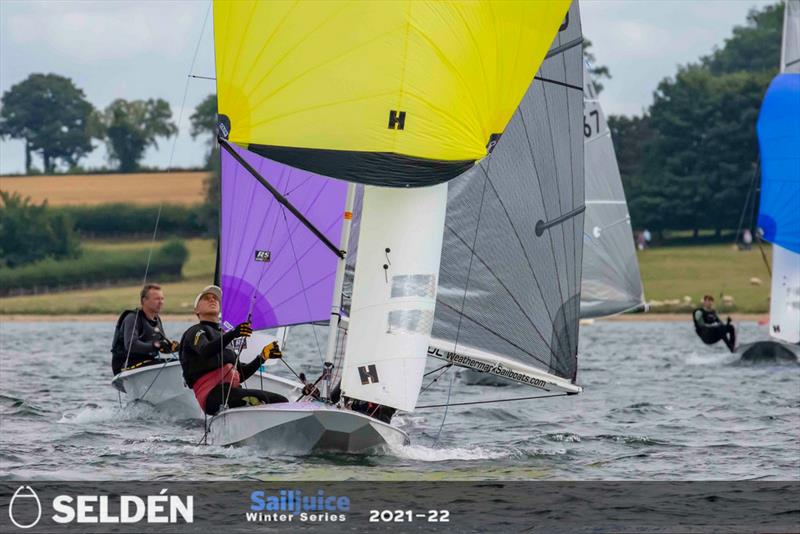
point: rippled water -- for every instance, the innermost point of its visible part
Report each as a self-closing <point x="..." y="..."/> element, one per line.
<point x="657" y="405"/>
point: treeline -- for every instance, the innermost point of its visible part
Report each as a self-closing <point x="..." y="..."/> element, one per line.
<point x="40" y="249"/>
<point x="116" y="220"/>
<point x="51" y="115"/>
<point x="689" y="161"/>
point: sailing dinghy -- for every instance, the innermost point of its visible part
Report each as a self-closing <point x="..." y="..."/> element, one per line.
<point x="401" y="98"/>
<point x="161" y="384"/>
<point x="779" y="217"/>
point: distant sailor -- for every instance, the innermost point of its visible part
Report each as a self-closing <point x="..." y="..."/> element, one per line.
<point x="210" y="364"/>
<point x="710" y="327"/>
<point x="139" y="335"/>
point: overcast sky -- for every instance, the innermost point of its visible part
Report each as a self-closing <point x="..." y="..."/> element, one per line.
<point x="144" y="49"/>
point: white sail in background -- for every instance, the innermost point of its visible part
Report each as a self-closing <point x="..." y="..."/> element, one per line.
<point x="784" y="305"/>
<point x="611" y="281"/>
<point x="790" y="49"/>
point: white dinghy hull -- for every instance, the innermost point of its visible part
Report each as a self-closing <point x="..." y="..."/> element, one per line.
<point x="303" y="427"/>
<point x="162" y="386"/>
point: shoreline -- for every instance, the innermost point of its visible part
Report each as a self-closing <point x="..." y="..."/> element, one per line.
<point x="169" y="317"/>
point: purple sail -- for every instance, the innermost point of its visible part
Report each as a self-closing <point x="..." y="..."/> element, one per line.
<point x="271" y="266"/>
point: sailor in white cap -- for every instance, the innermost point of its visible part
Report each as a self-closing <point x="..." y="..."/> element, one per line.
<point x="210" y="365"/>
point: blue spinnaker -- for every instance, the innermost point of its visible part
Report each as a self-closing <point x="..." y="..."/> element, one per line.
<point x="779" y="140"/>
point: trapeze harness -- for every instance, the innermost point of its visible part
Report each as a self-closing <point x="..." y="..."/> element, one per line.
<point x="216" y="380"/>
<point x="134" y="338"/>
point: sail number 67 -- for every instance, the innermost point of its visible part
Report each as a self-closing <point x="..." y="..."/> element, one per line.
<point x="587" y="127"/>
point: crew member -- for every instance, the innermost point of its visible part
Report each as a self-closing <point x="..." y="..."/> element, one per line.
<point x="710" y="328"/>
<point x="210" y="364"/>
<point x="139" y="335"/>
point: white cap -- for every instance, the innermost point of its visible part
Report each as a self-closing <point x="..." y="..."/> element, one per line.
<point x="214" y="290"/>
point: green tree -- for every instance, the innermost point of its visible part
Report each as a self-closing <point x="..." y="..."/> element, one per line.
<point x="702" y="158"/>
<point x="598" y="72"/>
<point x="754" y="47"/>
<point x="632" y="136"/>
<point x="30" y="232"/>
<point x="133" y="126"/>
<point x="687" y="163"/>
<point x="204" y="123"/>
<point x="52" y="116"/>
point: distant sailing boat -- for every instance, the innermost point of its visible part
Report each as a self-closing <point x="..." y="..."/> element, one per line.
<point x="611" y="280"/>
<point x="779" y="209"/>
<point x="401" y="98"/>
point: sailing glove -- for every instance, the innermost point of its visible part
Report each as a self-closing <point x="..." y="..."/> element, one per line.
<point x="243" y="330"/>
<point x="168" y="347"/>
<point x="271" y="351"/>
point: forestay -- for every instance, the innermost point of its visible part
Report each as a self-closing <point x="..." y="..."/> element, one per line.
<point x="510" y="276"/>
<point x="611" y="281"/>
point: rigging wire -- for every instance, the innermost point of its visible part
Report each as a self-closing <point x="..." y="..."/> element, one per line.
<point x="169" y="169"/>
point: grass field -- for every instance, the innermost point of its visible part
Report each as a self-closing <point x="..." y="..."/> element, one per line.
<point x="92" y="189"/>
<point x="669" y="275"/>
<point x="672" y="273"/>
<point x="197" y="272"/>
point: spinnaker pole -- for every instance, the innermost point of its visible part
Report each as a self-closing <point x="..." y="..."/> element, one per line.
<point x="336" y="304"/>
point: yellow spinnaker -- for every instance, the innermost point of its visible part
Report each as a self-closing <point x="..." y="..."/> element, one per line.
<point x="405" y="92"/>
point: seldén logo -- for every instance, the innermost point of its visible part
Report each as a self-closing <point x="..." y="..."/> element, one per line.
<point x="25" y="509"/>
<point x="22" y="504"/>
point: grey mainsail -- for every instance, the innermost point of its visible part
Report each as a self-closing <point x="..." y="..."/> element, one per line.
<point x="611" y="280"/>
<point x="510" y="276"/>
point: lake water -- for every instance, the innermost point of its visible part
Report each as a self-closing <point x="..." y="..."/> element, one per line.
<point x="657" y="405"/>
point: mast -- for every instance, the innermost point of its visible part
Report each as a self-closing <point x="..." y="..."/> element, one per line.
<point x="336" y="304"/>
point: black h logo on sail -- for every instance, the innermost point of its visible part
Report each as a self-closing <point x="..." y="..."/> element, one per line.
<point x="776" y="328"/>
<point x="368" y="374"/>
<point x="397" y="120"/>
